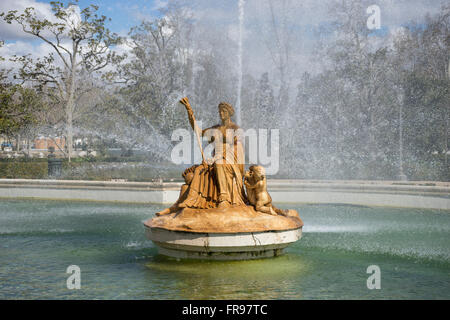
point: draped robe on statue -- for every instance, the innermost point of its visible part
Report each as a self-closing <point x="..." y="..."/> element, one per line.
<point x="221" y="180"/>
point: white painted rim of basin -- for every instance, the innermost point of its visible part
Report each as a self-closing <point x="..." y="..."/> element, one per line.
<point x="223" y="242"/>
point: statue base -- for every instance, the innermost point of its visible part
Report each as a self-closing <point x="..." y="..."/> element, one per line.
<point x="234" y="233"/>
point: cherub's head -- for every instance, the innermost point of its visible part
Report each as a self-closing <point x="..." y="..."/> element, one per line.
<point x="255" y="174"/>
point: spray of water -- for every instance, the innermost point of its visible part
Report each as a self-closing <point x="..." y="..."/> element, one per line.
<point x="239" y="87"/>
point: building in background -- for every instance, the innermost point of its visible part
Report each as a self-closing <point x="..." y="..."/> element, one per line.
<point x="43" y="143"/>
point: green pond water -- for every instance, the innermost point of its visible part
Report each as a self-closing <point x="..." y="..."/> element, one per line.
<point x="40" y="239"/>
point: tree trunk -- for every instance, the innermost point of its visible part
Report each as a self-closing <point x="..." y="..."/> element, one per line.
<point x="446" y="136"/>
<point x="28" y="145"/>
<point x="18" y="142"/>
<point x="70" y="103"/>
<point x="401" y="174"/>
<point x="69" y="133"/>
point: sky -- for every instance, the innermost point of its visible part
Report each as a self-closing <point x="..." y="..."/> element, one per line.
<point x="304" y="15"/>
<point x="123" y="14"/>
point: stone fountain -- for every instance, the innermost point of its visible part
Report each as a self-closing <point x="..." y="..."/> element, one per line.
<point x="223" y="213"/>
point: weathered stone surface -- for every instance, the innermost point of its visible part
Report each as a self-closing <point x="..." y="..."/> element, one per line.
<point x="234" y="219"/>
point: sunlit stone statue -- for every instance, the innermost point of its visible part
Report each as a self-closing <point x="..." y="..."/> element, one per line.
<point x="256" y="183"/>
<point x="214" y="217"/>
<point x="219" y="182"/>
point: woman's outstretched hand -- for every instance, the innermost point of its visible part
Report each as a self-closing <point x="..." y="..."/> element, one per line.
<point x="185" y="101"/>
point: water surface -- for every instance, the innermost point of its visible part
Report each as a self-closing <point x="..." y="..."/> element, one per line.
<point x="40" y="239"/>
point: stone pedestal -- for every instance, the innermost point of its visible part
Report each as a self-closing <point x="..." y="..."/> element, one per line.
<point x="234" y="233"/>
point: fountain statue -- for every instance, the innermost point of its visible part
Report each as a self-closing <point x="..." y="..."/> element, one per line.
<point x="223" y="212"/>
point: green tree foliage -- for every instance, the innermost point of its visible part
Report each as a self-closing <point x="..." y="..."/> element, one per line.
<point x="154" y="75"/>
<point x="81" y="46"/>
<point x="19" y="108"/>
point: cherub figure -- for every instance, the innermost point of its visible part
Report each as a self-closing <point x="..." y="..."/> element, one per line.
<point x="188" y="175"/>
<point x="256" y="184"/>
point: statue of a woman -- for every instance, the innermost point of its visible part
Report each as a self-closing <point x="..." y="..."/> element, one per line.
<point x="218" y="182"/>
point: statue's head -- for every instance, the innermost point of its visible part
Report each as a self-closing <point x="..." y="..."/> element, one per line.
<point x="225" y="110"/>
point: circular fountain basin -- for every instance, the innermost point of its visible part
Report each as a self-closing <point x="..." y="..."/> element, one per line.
<point x="236" y="233"/>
